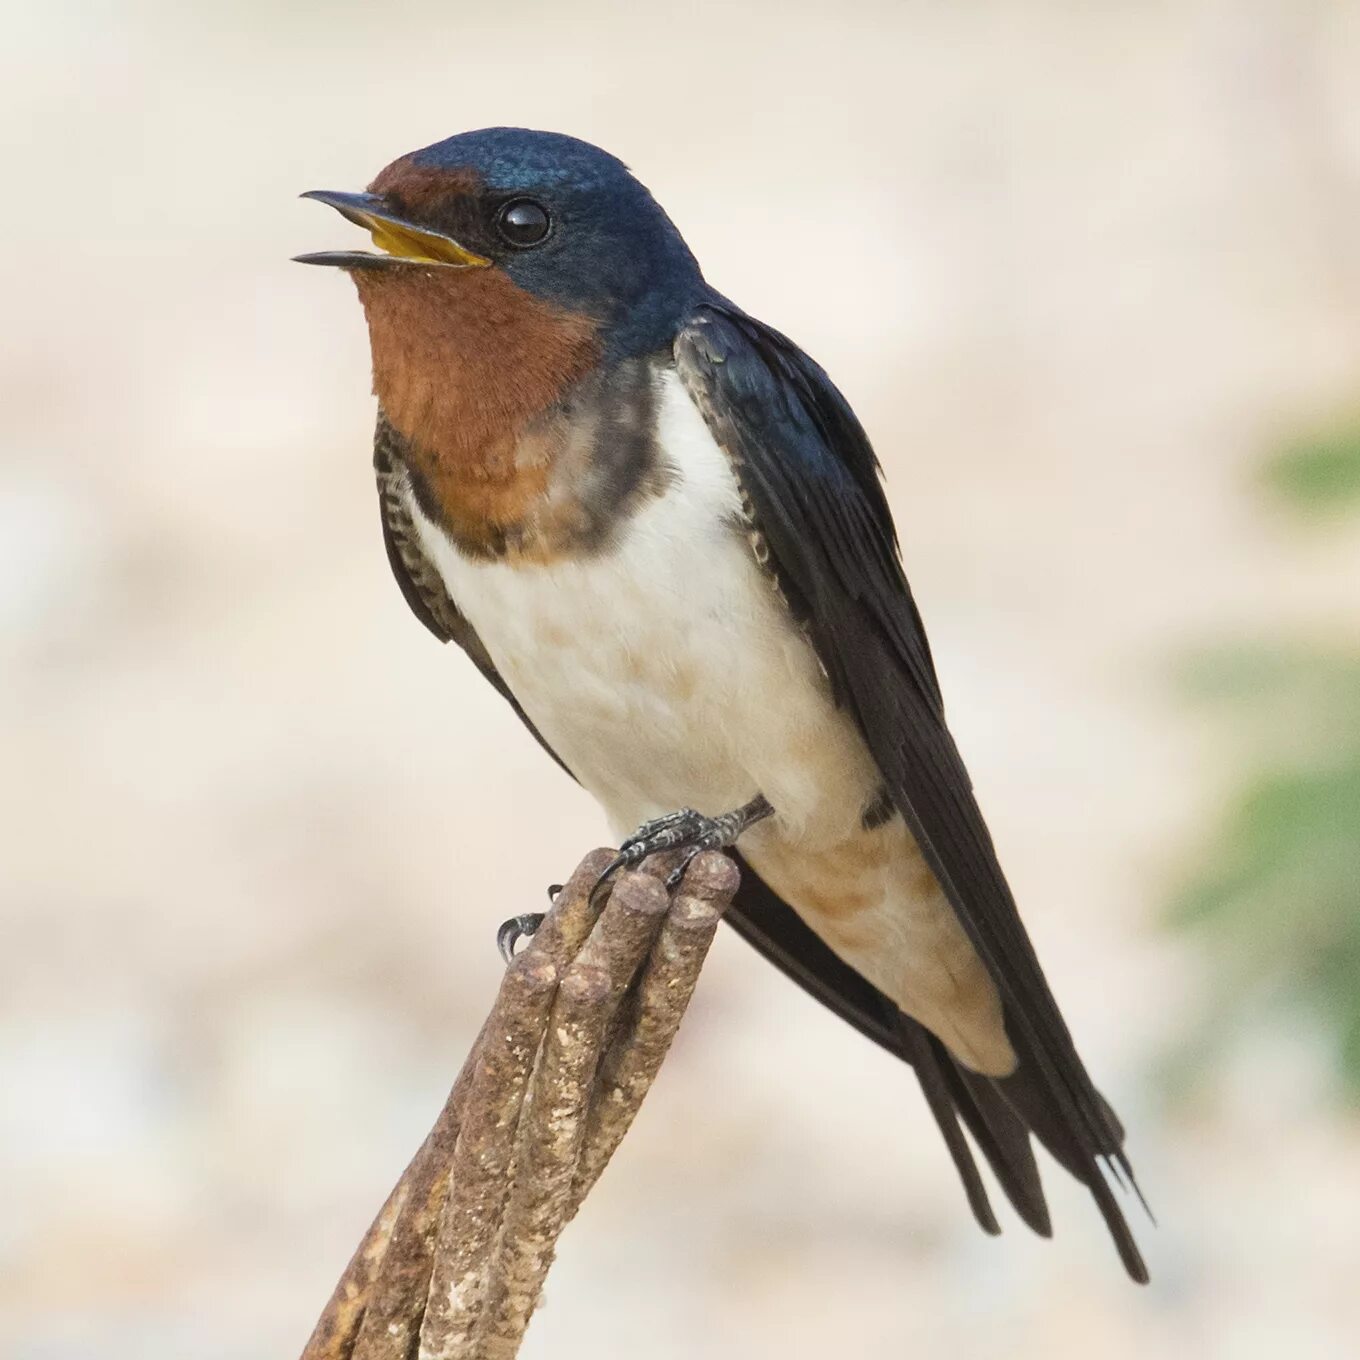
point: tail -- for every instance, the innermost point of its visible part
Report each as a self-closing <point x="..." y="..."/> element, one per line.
<point x="1088" y="1164"/>
<point x="1000" y="1114"/>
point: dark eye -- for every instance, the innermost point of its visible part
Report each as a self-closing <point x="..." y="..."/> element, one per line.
<point x="523" y="222"/>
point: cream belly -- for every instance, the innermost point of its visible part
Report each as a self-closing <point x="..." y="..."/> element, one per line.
<point x="666" y="673"/>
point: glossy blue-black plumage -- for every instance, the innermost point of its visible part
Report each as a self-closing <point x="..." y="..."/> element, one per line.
<point x="807" y="467"/>
<point x="613" y="254"/>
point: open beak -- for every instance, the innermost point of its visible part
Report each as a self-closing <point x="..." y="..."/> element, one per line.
<point x="398" y="241"/>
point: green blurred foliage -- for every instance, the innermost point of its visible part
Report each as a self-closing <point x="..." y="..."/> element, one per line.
<point x="1277" y="899"/>
<point x="1319" y="472"/>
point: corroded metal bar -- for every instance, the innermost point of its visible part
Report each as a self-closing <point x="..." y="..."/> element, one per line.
<point x="423" y="1183"/>
<point x="541" y="1200"/>
<point x="454" y="1264"/>
<point x="663" y="995"/>
<point x="481" y="1165"/>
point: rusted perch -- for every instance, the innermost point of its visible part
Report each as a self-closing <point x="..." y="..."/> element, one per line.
<point x="454" y="1264"/>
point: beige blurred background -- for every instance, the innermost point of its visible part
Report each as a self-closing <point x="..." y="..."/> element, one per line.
<point x="1083" y="269"/>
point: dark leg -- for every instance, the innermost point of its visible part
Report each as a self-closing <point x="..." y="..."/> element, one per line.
<point x="687" y="831"/>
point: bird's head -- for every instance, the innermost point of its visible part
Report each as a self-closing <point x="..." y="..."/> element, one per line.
<point x="515" y="213"/>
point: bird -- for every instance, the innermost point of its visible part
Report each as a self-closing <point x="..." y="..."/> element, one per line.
<point x="657" y="528"/>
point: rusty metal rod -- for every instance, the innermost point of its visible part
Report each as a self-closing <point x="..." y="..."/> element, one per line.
<point x="461" y="1270"/>
<point x="541" y="1200"/>
<point x="663" y="995"/>
<point x="453" y="1266"/>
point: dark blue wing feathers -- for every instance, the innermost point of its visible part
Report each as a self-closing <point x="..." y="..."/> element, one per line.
<point x="811" y="477"/>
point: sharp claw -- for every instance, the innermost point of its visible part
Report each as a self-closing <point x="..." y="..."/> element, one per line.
<point x="673" y="878"/>
<point x="610" y="869"/>
<point x="553" y="890"/>
<point x="514" y="930"/>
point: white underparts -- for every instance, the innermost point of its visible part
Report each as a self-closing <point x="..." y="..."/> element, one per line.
<point x="666" y="672"/>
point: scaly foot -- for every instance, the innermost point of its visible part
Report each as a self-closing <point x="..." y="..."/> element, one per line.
<point x="687" y="831"/>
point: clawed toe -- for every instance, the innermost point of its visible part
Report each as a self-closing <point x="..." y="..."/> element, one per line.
<point x="664" y="833"/>
<point x="688" y="831"/>
<point x="677" y="874"/>
<point x="514" y="930"/>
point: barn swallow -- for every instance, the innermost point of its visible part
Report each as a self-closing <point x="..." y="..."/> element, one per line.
<point x="657" y="528"/>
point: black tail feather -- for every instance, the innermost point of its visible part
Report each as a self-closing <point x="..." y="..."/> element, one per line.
<point x="1004" y="1139"/>
<point x="1033" y="1102"/>
<point x="921" y="1050"/>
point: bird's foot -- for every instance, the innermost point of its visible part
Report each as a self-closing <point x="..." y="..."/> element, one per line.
<point x="514" y="930"/>
<point x="517" y="928"/>
<point x="687" y="831"/>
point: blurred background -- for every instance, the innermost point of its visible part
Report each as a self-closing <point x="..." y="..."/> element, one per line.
<point x="1091" y="276"/>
